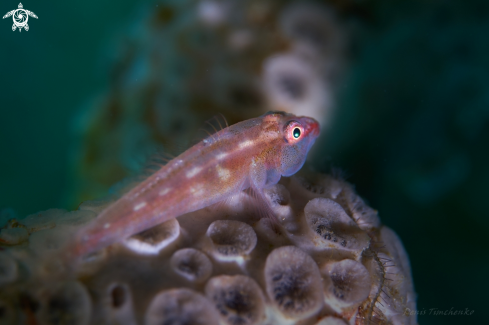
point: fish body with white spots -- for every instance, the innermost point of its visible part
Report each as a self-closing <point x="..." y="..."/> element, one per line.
<point x="251" y="154"/>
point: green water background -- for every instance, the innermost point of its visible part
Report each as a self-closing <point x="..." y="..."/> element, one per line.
<point x="411" y="130"/>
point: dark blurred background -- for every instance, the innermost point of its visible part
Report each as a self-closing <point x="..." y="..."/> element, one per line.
<point x="411" y="127"/>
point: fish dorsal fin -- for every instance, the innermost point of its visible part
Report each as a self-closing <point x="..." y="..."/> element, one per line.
<point x="211" y="128"/>
<point x="164" y="153"/>
<point x="153" y="161"/>
<point x="157" y="159"/>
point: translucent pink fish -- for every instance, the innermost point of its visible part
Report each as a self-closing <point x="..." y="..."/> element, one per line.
<point x="251" y="154"/>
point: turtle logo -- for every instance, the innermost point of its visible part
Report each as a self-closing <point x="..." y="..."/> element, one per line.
<point x="20" y="17"/>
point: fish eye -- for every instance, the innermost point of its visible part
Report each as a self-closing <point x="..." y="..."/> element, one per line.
<point x="296" y="133"/>
<point x="293" y="131"/>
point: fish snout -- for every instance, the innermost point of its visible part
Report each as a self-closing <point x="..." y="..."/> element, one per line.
<point x="312" y="126"/>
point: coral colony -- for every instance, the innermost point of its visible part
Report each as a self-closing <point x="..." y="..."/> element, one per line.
<point x="323" y="258"/>
<point x="330" y="261"/>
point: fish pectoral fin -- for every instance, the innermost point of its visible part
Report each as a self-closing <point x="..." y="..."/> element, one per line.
<point x="263" y="209"/>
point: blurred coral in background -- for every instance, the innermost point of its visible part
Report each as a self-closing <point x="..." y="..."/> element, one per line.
<point x="186" y="61"/>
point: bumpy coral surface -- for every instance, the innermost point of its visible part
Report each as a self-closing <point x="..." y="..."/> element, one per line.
<point x="329" y="260"/>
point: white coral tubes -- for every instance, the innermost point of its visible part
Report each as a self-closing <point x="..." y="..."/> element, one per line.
<point x="329" y="261"/>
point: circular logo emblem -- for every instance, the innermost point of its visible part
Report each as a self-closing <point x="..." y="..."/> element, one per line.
<point x="20" y="18"/>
